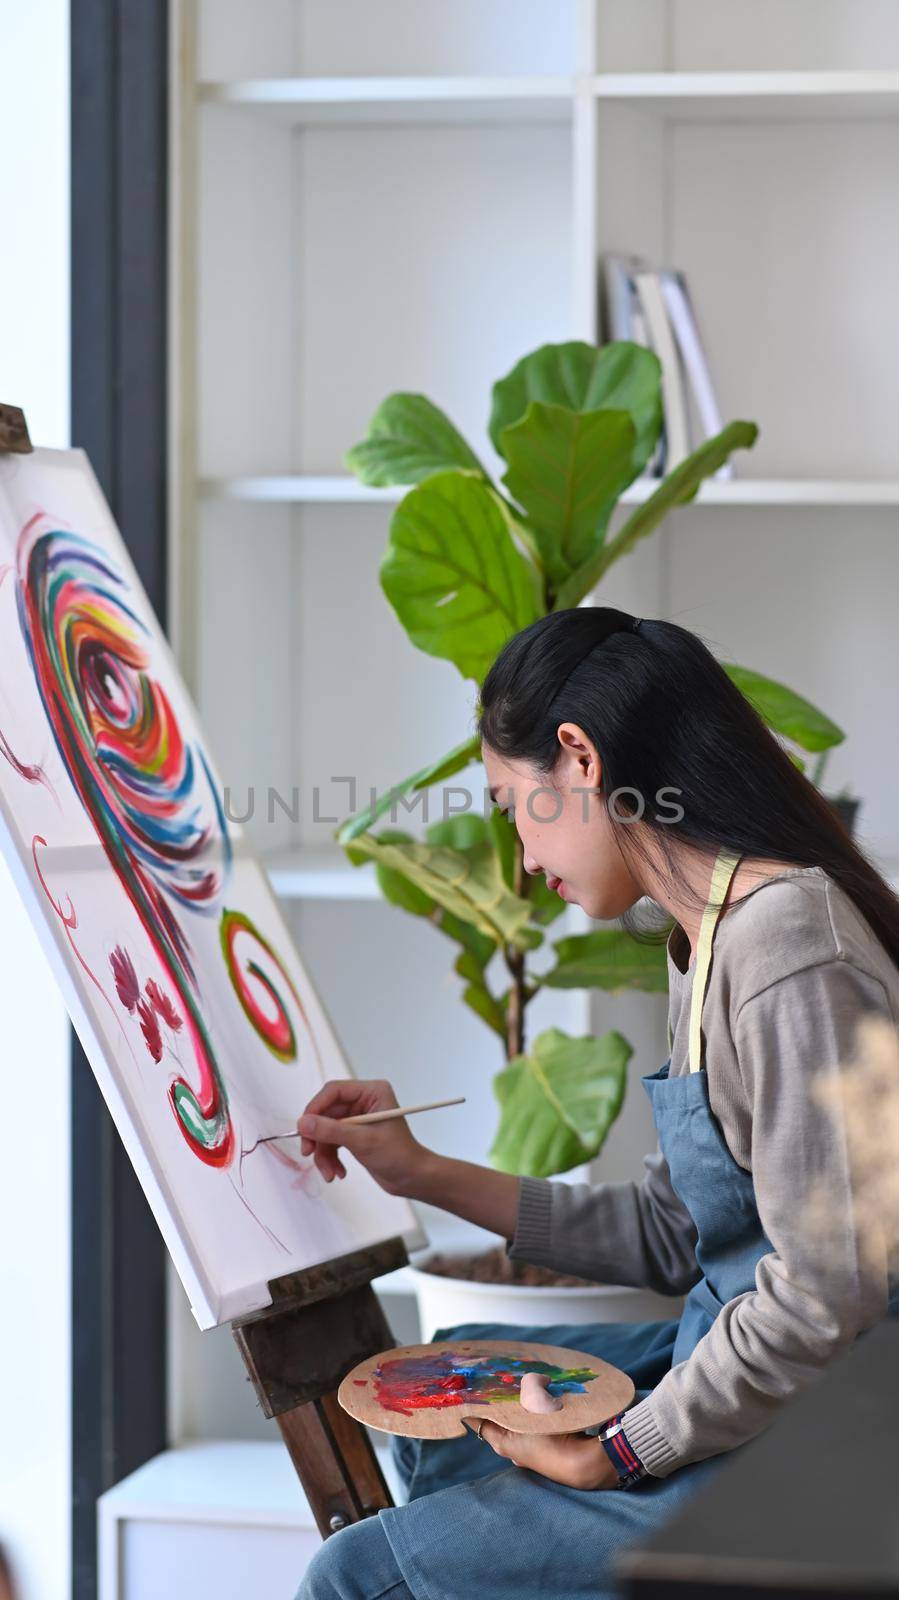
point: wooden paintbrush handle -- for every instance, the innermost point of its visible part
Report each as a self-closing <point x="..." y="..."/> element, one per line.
<point x="401" y="1111"/>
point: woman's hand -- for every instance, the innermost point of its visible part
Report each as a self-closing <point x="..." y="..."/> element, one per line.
<point x="387" y="1149"/>
<point x="571" y="1458"/>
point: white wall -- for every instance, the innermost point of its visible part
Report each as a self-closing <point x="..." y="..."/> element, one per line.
<point x="35" y="1487"/>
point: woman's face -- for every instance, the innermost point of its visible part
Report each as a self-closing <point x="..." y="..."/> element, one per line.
<point x="565" y="827"/>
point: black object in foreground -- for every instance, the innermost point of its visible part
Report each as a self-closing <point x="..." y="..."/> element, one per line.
<point x="810" y="1507"/>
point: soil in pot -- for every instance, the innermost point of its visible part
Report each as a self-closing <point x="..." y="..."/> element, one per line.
<point x="494" y="1266"/>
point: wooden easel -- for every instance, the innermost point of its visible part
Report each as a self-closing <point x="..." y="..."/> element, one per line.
<point x="320" y="1324"/>
<point x="14" y="438"/>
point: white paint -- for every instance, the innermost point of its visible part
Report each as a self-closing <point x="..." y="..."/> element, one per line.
<point x="35" y="1480"/>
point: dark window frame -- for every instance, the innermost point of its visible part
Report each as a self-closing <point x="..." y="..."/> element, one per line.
<point x="119" y="198"/>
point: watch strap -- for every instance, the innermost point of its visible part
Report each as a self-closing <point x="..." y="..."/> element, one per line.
<point x="624" y="1459"/>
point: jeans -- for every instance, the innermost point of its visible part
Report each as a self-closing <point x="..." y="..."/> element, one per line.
<point x="355" y="1564"/>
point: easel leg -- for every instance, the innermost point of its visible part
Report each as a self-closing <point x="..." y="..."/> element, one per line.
<point x="321" y="1324"/>
<point x="336" y="1463"/>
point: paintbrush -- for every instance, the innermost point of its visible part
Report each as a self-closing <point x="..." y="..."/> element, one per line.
<point x="370" y="1116"/>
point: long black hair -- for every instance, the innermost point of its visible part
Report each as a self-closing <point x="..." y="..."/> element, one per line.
<point x="672" y="731"/>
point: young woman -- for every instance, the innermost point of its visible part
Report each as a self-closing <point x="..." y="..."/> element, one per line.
<point x="633" y="767"/>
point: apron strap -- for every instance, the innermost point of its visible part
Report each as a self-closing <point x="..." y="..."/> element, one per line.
<point x="723" y="871"/>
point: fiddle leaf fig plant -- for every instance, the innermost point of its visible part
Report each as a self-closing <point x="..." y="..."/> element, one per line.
<point x="470" y="562"/>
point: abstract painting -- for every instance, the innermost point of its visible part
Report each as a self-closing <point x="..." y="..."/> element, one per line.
<point x="181" y="978"/>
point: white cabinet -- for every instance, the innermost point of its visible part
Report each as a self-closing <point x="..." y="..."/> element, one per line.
<point x="220" y="1518"/>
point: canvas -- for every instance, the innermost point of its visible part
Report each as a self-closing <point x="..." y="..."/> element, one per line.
<point x="181" y="978"/>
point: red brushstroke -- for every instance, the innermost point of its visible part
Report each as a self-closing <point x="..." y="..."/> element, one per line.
<point x="127" y="986"/>
<point x="149" y="1027"/>
<point x="161" y="1002"/>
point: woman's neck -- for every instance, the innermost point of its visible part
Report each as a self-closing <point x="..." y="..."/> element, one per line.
<point x="686" y="906"/>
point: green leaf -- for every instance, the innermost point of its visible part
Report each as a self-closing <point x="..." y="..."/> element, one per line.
<point x="466" y="883"/>
<point x="467" y="830"/>
<point x="619" y="376"/>
<point x="477" y="948"/>
<point x="546" y="905"/>
<point x="408" y="439"/>
<point x="786" y="712"/>
<point x="558" y="1102"/>
<point x="480" y="946"/>
<point x="677" y="489"/>
<point x="504" y="836"/>
<point x="455" y="761"/>
<point x="478" y="996"/>
<point x="453" y="573"/>
<point x="607" y="959"/>
<point x="401" y="891"/>
<point x="567" y="470"/>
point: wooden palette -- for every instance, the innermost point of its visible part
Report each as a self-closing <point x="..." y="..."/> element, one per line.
<point x="424" y="1390"/>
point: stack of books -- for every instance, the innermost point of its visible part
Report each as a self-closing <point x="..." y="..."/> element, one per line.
<point x="654" y="308"/>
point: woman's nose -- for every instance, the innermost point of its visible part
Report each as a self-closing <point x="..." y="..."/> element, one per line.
<point x="530" y="865"/>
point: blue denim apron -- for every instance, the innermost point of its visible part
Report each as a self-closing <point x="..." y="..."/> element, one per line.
<point x="476" y="1524"/>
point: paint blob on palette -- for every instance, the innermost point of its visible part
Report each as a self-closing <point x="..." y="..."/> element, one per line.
<point x="452" y="1377"/>
<point x="425" y="1390"/>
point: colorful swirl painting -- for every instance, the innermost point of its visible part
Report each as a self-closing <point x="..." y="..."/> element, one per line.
<point x="149" y="795"/>
<point x="158" y="922"/>
<point x="431" y="1382"/>
<point x="263" y="1005"/>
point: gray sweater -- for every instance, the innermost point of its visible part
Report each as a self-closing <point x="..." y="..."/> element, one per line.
<point x="794" y="967"/>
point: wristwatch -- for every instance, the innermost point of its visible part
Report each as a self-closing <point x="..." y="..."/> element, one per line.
<point x="623" y="1458"/>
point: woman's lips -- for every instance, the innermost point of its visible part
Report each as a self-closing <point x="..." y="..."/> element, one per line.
<point x="554" y="883"/>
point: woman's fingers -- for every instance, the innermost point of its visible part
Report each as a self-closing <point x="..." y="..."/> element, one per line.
<point x="346" y="1092"/>
<point x="499" y="1438"/>
<point x="326" y="1130"/>
<point x="564" y="1457"/>
<point x="387" y="1149"/>
<point x="336" y="1092"/>
<point x="341" y="1097"/>
<point x="324" y="1135"/>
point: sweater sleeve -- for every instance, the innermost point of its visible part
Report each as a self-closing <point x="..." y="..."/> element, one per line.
<point x="813" y="1292"/>
<point x="638" y="1234"/>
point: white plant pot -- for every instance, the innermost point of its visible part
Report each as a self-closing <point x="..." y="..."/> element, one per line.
<point x="443" y="1302"/>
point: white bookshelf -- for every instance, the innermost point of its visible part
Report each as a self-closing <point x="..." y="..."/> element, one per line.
<point x="727" y="96"/>
<point x="342" y="490"/>
<point x="407" y="195"/>
<point x="738" y="96"/>
<point x="307" y="102"/>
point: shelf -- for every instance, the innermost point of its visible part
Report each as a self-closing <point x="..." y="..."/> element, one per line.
<point x="741" y="96"/>
<point x="308" y="874"/>
<point x="716" y="95"/>
<point x="316" y="101"/>
<point x="304" y="490"/>
<point x="345" y="490"/>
